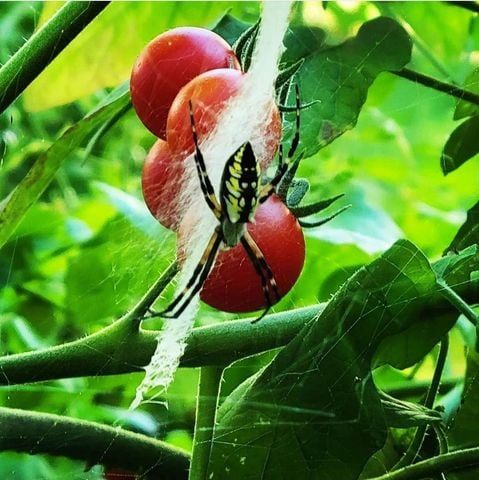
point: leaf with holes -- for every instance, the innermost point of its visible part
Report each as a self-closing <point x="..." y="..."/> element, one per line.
<point x="314" y="412"/>
<point x="339" y="77"/>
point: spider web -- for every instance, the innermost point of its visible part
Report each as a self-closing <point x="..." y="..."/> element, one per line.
<point x="74" y="389"/>
<point x="240" y="121"/>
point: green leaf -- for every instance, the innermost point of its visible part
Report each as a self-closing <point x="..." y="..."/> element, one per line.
<point x="463" y="108"/>
<point x="410" y="345"/>
<point x="339" y="77"/>
<point x="462" y="144"/>
<point x="463" y="432"/>
<point x="468" y="233"/>
<point x="314" y="412"/>
<point x="14" y="207"/>
<point x="104" y="53"/>
<point x="114" y="268"/>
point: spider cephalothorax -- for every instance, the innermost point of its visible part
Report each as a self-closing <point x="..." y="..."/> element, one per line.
<point x="241" y="191"/>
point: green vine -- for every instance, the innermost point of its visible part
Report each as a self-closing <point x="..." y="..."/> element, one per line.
<point x="33" y="432"/>
<point x="43" y="46"/>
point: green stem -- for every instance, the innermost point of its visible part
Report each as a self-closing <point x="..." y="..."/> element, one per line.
<point x="121" y="348"/>
<point x="137" y="314"/>
<point x="456" y="301"/>
<point x="435" y="84"/>
<point x="458" y="460"/>
<point x="33" y="433"/>
<point x="207" y="401"/>
<point x="43" y="46"/>
<point x="416" y="444"/>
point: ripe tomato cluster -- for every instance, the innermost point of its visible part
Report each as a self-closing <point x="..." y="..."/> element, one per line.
<point x="195" y="65"/>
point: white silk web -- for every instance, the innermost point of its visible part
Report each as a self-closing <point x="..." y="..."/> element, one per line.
<point x="239" y="122"/>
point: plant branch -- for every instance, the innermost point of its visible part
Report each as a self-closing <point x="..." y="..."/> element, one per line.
<point x="416" y="444"/>
<point x="43" y="46"/>
<point x="32" y="432"/>
<point x="458" y="460"/>
<point x="435" y="84"/>
<point x="121" y="348"/>
<point x="207" y="401"/>
<point x="456" y="301"/>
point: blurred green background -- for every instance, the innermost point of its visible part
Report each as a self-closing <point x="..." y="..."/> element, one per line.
<point x="89" y="249"/>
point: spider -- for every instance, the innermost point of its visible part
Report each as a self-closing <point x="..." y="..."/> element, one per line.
<point x="241" y="192"/>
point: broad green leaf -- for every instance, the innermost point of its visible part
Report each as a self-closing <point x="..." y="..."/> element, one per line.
<point x="462" y="144"/>
<point x="14" y="207"/>
<point x="463" y="432"/>
<point x="338" y="78"/>
<point x="104" y="53"/>
<point x="468" y="233"/>
<point x="464" y="108"/>
<point x="314" y="412"/>
<point x="410" y="345"/>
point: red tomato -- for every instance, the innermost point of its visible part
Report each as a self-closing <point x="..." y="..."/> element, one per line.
<point x="161" y="182"/>
<point x="119" y="474"/>
<point x="233" y="285"/>
<point x="208" y="94"/>
<point x="167" y="63"/>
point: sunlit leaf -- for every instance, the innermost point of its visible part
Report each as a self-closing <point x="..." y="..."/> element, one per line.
<point x="104" y="53"/>
<point x="14" y="207"/>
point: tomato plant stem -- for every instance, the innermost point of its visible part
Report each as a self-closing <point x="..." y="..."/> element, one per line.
<point x="435" y="84"/>
<point x="458" y="460"/>
<point x="416" y="444"/>
<point x="458" y="302"/>
<point x="121" y="348"/>
<point x="94" y="443"/>
<point x="207" y="401"/>
<point x="43" y="46"/>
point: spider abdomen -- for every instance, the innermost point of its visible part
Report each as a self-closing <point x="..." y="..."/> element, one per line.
<point x="240" y="185"/>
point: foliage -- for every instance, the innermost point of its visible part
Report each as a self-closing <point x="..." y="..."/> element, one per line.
<point x="335" y="390"/>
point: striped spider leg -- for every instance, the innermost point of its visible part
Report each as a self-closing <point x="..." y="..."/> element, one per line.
<point x="240" y="194"/>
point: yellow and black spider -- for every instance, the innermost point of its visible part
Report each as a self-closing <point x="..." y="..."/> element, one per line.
<point x="241" y="192"/>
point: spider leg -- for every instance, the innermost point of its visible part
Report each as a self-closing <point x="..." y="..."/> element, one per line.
<point x="205" y="182"/>
<point x="268" y="282"/>
<point x="197" y="279"/>
<point x="283" y="165"/>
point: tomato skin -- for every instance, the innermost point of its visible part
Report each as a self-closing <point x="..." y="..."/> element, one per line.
<point x="161" y="180"/>
<point x="233" y="285"/>
<point x="167" y="63"/>
<point x="119" y="474"/>
<point x="208" y="94"/>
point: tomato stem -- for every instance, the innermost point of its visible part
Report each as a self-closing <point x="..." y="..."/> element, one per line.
<point x="94" y="443"/>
